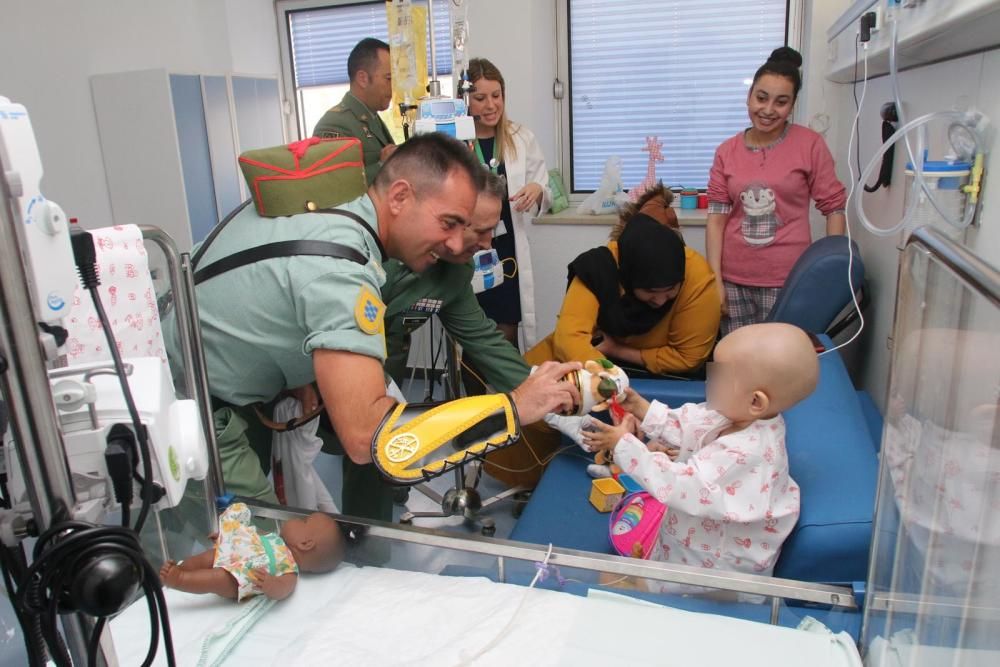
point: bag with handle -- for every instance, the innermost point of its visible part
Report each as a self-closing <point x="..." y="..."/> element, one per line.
<point x="634" y="524"/>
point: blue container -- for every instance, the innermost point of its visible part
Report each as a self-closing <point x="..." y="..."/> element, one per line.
<point x="689" y="199"/>
<point x="631" y="486"/>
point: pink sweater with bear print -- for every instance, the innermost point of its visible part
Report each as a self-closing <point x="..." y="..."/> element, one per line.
<point x="766" y="194"/>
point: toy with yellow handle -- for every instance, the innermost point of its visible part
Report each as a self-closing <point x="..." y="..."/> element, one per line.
<point x="408" y="445"/>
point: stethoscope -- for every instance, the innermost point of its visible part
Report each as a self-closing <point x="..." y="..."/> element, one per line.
<point x="493" y="164"/>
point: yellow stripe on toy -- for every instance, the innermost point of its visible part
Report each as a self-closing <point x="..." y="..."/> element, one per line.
<point x="408" y="453"/>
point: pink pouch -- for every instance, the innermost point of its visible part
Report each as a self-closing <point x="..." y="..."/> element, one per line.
<point x="634" y="524"/>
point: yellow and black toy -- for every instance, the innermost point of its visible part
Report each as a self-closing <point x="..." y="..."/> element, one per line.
<point x="407" y="448"/>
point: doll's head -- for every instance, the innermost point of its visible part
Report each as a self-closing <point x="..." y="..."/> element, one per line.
<point x="761" y="370"/>
<point x="315" y="541"/>
<point x="599" y="381"/>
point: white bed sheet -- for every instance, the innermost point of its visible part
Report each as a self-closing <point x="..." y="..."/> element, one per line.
<point x="380" y="616"/>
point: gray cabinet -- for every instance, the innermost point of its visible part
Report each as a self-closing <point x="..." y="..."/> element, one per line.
<point x="170" y="144"/>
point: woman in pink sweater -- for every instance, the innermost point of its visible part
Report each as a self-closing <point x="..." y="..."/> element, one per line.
<point x="759" y="190"/>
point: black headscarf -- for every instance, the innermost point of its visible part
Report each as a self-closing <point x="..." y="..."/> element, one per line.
<point x="650" y="256"/>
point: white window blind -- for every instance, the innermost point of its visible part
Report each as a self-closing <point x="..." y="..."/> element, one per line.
<point x="321" y="39"/>
<point x="675" y="69"/>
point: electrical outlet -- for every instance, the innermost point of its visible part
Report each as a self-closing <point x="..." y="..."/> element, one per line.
<point x="877" y="23"/>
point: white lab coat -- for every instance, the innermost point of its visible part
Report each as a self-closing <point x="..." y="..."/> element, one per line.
<point x="528" y="166"/>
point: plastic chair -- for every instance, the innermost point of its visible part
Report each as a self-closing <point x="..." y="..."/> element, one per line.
<point x="816" y="291"/>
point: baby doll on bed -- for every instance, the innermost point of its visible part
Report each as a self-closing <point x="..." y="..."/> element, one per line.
<point x="245" y="562"/>
<point x="730" y="500"/>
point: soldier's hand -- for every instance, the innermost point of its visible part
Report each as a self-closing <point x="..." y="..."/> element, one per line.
<point x="386" y="152"/>
<point x="545" y="391"/>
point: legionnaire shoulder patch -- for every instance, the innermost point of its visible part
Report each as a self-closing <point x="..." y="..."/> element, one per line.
<point x="369" y="312"/>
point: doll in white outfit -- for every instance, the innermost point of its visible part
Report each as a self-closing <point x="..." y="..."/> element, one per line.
<point x="730" y="500"/>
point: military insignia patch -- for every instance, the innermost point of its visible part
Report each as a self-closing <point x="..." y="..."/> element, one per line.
<point x="369" y="312"/>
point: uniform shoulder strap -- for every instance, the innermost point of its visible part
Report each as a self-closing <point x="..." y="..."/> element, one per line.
<point x="281" y="248"/>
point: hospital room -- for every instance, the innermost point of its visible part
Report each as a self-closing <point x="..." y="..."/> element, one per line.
<point x="449" y="332"/>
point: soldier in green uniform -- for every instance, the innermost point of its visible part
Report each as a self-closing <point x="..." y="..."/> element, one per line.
<point x="286" y="322"/>
<point x="357" y="114"/>
<point x="445" y="290"/>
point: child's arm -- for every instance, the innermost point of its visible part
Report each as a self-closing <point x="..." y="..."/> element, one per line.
<point x="690" y="487"/>
<point x="275" y="588"/>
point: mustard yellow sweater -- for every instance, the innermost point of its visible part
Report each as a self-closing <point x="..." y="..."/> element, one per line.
<point x="679" y="343"/>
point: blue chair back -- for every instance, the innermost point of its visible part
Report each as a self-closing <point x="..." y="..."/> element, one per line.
<point x="817" y="289"/>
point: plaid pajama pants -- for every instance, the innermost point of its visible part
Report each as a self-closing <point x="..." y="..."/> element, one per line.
<point x="747" y="305"/>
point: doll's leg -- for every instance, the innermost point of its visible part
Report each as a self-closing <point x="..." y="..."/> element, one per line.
<point x="207" y="580"/>
<point x="201" y="561"/>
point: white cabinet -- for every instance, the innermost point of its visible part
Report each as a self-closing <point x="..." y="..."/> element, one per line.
<point x="170" y="144"/>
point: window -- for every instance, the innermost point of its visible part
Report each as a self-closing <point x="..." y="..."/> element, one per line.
<point x="679" y="70"/>
<point x="320" y="36"/>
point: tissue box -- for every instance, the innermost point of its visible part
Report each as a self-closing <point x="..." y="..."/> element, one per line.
<point x="305" y="175"/>
<point x="605" y="494"/>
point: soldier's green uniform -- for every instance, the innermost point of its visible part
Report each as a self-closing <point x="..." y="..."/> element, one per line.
<point x="351" y="118"/>
<point x="260" y="324"/>
<point x="446" y="290"/>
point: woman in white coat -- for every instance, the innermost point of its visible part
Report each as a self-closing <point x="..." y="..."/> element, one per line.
<point x="510" y="150"/>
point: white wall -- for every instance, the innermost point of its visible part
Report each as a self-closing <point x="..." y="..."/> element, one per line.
<point x="517" y="37"/>
<point x="50" y="48"/>
<point x="969" y="81"/>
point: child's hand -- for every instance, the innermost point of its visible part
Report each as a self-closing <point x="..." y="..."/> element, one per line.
<point x="657" y="446"/>
<point x="275" y="588"/>
<point x="605" y="436"/>
<point x="635" y="404"/>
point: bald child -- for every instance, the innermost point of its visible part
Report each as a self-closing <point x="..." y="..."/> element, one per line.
<point x="730" y="499"/>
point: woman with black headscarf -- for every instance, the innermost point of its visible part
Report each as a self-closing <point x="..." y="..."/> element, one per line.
<point x="649" y="298"/>
<point x="648" y="295"/>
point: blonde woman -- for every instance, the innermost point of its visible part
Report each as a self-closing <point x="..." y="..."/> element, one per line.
<point x="511" y="150"/>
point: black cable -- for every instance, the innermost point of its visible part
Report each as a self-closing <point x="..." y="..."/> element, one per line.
<point x="854" y="91"/>
<point x="95" y="641"/>
<point x="13" y="568"/>
<point x="140" y="430"/>
<point x="62" y="555"/>
<point x="85" y="256"/>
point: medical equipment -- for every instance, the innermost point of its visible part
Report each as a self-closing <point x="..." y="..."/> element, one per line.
<point x="966" y="136"/>
<point x="445" y="114"/>
<point x="438" y="113"/>
<point x="73" y="447"/>
<point x="947" y="179"/>
<point x="487" y="270"/>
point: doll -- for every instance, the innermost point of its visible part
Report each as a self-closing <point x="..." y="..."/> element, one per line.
<point x="245" y="562"/>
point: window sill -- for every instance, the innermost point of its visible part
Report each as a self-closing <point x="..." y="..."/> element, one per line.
<point x="687" y="217"/>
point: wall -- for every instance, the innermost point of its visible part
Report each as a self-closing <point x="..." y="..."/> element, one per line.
<point x="50" y="48"/>
<point x="959" y="83"/>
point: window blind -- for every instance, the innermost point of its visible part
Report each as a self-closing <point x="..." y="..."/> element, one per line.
<point x="321" y="39"/>
<point x="677" y="70"/>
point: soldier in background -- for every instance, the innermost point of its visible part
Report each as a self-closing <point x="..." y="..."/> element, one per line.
<point x="357" y="114"/>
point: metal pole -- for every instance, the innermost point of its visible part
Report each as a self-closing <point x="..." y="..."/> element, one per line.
<point x="25" y="384"/>
<point x="200" y="388"/>
<point x="192" y="354"/>
<point x="433" y="86"/>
